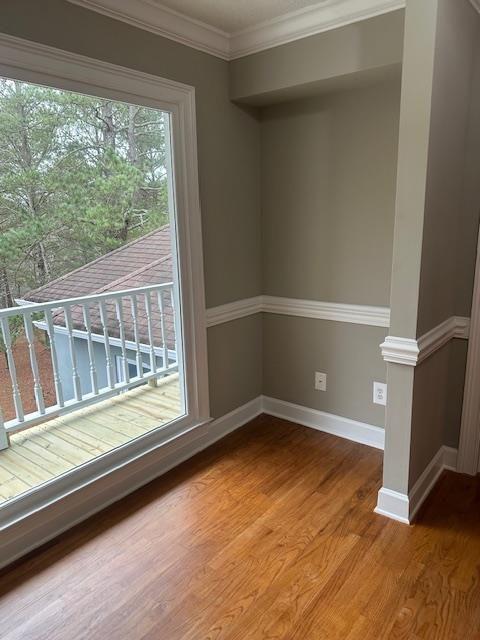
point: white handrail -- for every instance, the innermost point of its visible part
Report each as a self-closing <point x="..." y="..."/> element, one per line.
<point x="71" y="316"/>
<point x="34" y="307"/>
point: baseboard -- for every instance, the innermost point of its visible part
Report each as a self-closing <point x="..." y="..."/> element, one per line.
<point x="404" y="508"/>
<point x="39" y="527"/>
<point x="393" y="505"/>
<point x="329" y="423"/>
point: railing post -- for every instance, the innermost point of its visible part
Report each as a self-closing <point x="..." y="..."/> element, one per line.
<point x="4" y="440"/>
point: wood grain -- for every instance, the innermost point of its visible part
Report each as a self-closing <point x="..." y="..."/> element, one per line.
<point x="268" y="534"/>
<point x="46" y="451"/>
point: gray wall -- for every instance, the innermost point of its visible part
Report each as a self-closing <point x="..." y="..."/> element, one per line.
<point x="443" y="291"/>
<point x="229" y="159"/>
<point x="435" y="230"/>
<point x="328" y="201"/>
<point x="294" y="348"/>
<point x="328" y="195"/>
<point x="309" y="65"/>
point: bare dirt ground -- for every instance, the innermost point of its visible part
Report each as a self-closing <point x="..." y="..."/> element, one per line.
<point x="25" y="378"/>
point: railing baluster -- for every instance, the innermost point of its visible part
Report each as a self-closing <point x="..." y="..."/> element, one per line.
<point x="37" y="385"/>
<point x="17" y="399"/>
<point x="106" y="341"/>
<point x="174" y="316"/>
<point x="4" y="441"/>
<point x="148" y="309"/>
<point x="134" y="309"/>
<point x="161" y="308"/>
<point x="91" y="351"/>
<point x="77" y="389"/>
<point x="139" y="334"/>
<point x="57" y="381"/>
<point x="121" y="329"/>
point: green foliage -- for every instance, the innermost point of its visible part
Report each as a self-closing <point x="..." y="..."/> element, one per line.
<point x="79" y="176"/>
<point x="15" y="324"/>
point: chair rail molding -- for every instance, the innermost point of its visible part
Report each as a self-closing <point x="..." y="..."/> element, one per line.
<point x="411" y="351"/>
<point x="337" y="312"/>
<point x="234" y="310"/>
<point x="161" y="20"/>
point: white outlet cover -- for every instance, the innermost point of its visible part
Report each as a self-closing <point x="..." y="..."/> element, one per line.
<point x="380" y="393"/>
<point x="320" y="381"/>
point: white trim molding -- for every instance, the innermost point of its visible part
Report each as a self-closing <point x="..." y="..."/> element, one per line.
<point x="404" y="508"/>
<point x="323" y="16"/>
<point x="163" y="21"/>
<point x="234" y="310"/>
<point x="23" y="533"/>
<point x="354" y="430"/>
<point x="469" y="444"/>
<point x="338" y="312"/>
<point x="412" y="352"/>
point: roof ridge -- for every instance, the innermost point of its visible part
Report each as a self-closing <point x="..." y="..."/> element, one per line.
<point x="106" y="287"/>
<point x="88" y="264"/>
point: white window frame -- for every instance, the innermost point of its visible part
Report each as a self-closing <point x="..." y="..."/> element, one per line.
<point x="31" y="62"/>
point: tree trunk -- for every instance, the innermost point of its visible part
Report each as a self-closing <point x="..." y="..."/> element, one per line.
<point x="7" y="298"/>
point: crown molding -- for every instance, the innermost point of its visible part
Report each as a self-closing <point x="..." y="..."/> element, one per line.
<point x="475" y="4"/>
<point x="326" y="15"/>
<point x="153" y="17"/>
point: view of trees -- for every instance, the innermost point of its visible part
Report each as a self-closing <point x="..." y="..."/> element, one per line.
<point x="79" y="176"/>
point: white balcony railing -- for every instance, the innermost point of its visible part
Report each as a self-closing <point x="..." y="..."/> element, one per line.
<point x="86" y="338"/>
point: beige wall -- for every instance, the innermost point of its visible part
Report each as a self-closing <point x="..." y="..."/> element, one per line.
<point x="229" y="158"/>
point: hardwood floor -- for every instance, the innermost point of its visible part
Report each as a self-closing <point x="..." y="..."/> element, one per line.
<point x="43" y="452"/>
<point x="268" y="534"/>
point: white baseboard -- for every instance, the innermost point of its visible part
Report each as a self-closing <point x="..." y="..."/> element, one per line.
<point x="393" y="505"/>
<point x="327" y="422"/>
<point x="39" y="527"/>
<point x="404" y="508"/>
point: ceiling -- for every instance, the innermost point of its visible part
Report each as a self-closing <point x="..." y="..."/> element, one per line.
<point x="235" y="15"/>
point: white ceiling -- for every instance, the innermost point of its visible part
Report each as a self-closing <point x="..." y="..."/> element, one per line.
<point x="235" y="15"/>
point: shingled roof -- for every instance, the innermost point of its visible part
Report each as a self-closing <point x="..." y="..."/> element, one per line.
<point x="95" y="276"/>
<point x="142" y="262"/>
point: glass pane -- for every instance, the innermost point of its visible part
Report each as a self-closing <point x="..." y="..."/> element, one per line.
<point x="89" y="331"/>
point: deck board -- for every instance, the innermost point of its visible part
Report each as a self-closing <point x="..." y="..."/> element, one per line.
<point x="52" y="448"/>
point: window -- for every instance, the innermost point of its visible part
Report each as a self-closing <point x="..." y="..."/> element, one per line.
<point x="112" y="297"/>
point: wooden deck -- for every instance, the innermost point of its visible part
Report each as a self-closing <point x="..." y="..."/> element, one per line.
<point x="43" y="452"/>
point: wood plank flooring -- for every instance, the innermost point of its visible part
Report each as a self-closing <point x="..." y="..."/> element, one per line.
<point x="268" y="534"/>
<point x="41" y="453"/>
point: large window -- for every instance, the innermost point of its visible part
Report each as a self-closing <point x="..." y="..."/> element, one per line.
<point x="102" y="337"/>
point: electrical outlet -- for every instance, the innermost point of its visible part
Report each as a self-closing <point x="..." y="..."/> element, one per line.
<point x="379" y="393"/>
<point x="320" y="381"/>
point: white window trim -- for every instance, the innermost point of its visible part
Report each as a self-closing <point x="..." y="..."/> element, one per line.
<point x="32" y="62"/>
